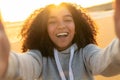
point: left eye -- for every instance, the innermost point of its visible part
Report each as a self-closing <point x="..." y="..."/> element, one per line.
<point x="52" y="22"/>
<point x="68" y="20"/>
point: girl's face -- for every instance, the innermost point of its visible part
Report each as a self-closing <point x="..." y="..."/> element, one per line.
<point x="61" y="27"/>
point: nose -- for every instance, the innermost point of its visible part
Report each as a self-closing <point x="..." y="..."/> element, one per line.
<point x="61" y="25"/>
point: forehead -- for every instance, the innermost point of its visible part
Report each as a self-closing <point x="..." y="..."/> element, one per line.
<point x="58" y="11"/>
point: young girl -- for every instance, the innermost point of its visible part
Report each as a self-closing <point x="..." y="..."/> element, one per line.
<point x="59" y="44"/>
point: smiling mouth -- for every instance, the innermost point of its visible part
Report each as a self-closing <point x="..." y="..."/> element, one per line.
<point x="62" y="34"/>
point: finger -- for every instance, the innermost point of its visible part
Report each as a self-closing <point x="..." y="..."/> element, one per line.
<point x="1" y="22"/>
<point x="1" y="26"/>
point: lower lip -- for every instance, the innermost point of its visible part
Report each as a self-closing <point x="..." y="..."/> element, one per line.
<point x="62" y="38"/>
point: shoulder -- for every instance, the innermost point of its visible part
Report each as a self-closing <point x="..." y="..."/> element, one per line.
<point x="34" y="51"/>
<point x="35" y="54"/>
<point x="91" y="49"/>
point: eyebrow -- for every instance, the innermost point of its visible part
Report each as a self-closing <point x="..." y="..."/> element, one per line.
<point x="67" y="15"/>
<point x="52" y="17"/>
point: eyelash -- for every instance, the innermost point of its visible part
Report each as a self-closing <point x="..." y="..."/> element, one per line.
<point x="68" y="20"/>
<point x="54" y="22"/>
<point x="51" y="22"/>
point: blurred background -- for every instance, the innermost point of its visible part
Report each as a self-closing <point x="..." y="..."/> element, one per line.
<point x="15" y="12"/>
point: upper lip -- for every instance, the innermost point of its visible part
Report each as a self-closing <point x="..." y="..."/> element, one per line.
<point x="62" y="34"/>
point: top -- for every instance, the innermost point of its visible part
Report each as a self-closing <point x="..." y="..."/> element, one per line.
<point x="88" y="61"/>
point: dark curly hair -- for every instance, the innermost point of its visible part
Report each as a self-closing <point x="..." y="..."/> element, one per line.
<point x="35" y="35"/>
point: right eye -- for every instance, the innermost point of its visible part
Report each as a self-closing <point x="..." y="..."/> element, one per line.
<point x="52" y="22"/>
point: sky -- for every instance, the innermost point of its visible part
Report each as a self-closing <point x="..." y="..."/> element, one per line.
<point x="19" y="10"/>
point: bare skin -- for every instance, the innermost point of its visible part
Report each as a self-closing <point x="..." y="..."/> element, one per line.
<point x="4" y="49"/>
<point x="5" y="46"/>
<point x="117" y="18"/>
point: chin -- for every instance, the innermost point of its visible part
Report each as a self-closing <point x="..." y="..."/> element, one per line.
<point x="61" y="48"/>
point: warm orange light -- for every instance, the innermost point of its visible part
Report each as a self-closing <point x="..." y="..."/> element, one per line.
<point x="18" y="10"/>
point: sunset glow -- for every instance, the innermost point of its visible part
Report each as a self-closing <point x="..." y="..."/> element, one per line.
<point x="19" y="10"/>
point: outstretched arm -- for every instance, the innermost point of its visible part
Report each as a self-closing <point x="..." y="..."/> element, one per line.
<point x="106" y="61"/>
<point x="4" y="50"/>
<point x="17" y="66"/>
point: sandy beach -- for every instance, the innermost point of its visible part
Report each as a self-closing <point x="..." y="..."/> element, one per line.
<point x="106" y="34"/>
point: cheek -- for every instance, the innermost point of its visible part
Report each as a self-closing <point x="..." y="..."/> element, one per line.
<point x="72" y="28"/>
<point x="50" y="31"/>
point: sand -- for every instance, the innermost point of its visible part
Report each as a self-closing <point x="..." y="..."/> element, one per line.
<point x="106" y="34"/>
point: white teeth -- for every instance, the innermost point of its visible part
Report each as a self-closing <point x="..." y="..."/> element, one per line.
<point x="62" y="34"/>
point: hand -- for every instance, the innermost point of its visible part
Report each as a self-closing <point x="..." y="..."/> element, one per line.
<point x="117" y="17"/>
<point x="4" y="50"/>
